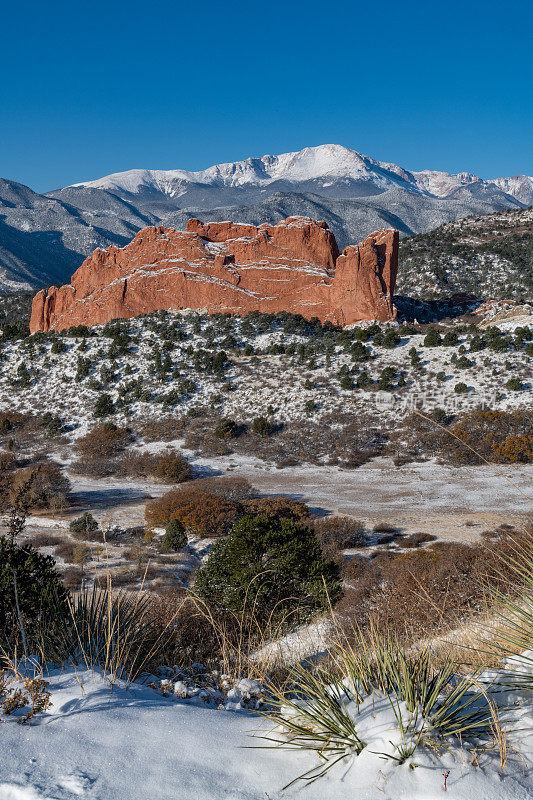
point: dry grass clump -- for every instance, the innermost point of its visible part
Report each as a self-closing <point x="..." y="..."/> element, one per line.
<point x="340" y="532"/>
<point x="422" y="590"/>
<point x="65" y="550"/>
<point x="98" y="450"/>
<point x="167" y="467"/>
<point x="498" y="436"/>
<point x="416" y="539"/>
<point x="72" y="578"/>
<point x="45" y="539"/>
<point x="385" y="527"/>
<point x="37" y="487"/>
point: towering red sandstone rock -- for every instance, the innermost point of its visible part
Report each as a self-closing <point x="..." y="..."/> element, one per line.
<point x="225" y="266"/>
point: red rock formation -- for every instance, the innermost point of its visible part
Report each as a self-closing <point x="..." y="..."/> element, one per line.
<point x="224" y="266"/>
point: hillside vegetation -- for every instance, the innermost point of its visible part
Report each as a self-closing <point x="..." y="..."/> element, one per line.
<point x="490" y="256"/>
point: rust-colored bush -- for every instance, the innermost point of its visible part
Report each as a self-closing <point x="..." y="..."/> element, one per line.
<point x="496" y="435"/>
<point x="501" y="436"/>
<point x="203" y="513"/>
<point x="106" y="440"/>
<point x="277" y="507"/>
<point x="98" y="450"/>
<point x="422" y="590"/>
<point x="167" y="467"/>
<point x="38" y="487"/>
<point x="513" y="449"/>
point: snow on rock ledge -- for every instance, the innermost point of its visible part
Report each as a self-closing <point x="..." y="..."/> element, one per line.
<point x="293" y="266"/>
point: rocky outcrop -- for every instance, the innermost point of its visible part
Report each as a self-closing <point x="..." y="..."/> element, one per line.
<point x="229" y="267"/>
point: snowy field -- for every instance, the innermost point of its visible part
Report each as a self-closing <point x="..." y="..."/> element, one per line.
<point x="131" y="743"/>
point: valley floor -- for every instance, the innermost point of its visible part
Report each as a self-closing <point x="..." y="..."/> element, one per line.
<point x="454" y="503"/>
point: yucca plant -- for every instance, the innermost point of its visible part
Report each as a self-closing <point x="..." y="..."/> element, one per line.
<point x="511" y="637"/>
<point x="314" y="717"/>
<point x="110" y="630"/>
<point x="448" y="704"/>
<point x="429" y="700"/>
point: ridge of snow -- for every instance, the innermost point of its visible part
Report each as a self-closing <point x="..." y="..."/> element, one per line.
<point x="327" y="162"/>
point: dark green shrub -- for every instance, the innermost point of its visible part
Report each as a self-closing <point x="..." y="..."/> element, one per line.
<point x="346" y="383"/>
<point x="225" y="428"/>
<point x="451" y="339"/>
<point x="432" y="338"/>
<point x="53" y="424"/>
<point x="415" y="358"/>
<point x="514" y="384"/>
<point x="80" y="331"/>
<point x="439" y="415"/>
<point x="275" y="566"/>
<point x="464" y="362"/>
<point x="83" y="368"/>
<point x="84" y="524"/>
<point x="477" y="343"/>
<point x="364" y="379"/>
<point x="58" y="346"/>
<point x="386" y="379"/>
<point x="261" y="426"/>
<point x="103" y="406"/>
<point x="391" y="338"/>
<point x="23" y="376"/>
<point x="460" y="388"/>
<point x="39" y="590"/>
<point x="174" y="537"/>
<point x="499" y="343"/>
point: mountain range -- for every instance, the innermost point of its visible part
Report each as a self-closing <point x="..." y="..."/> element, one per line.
<point x="45" y="237"/>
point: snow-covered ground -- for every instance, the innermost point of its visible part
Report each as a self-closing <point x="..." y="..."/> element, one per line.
<point x="280" y="382"/>
<point x="132" y="743"/>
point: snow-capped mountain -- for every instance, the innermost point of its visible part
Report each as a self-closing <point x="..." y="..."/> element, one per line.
<point x="44" y="238"/>
<point x="518" y="186"/>
<point x="328" y="164"/>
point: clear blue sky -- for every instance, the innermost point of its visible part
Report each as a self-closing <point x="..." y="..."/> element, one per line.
<point x="97" y="87"/>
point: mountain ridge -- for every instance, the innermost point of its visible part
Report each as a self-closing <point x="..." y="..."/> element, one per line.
<point x="312" y="163"/>
<point x="45" y="237"/>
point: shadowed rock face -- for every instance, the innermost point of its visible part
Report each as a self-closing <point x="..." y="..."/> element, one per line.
<point x="293" y="266"/>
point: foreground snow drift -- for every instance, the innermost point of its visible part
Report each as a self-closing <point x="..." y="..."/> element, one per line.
<point x="131" y="743"/>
